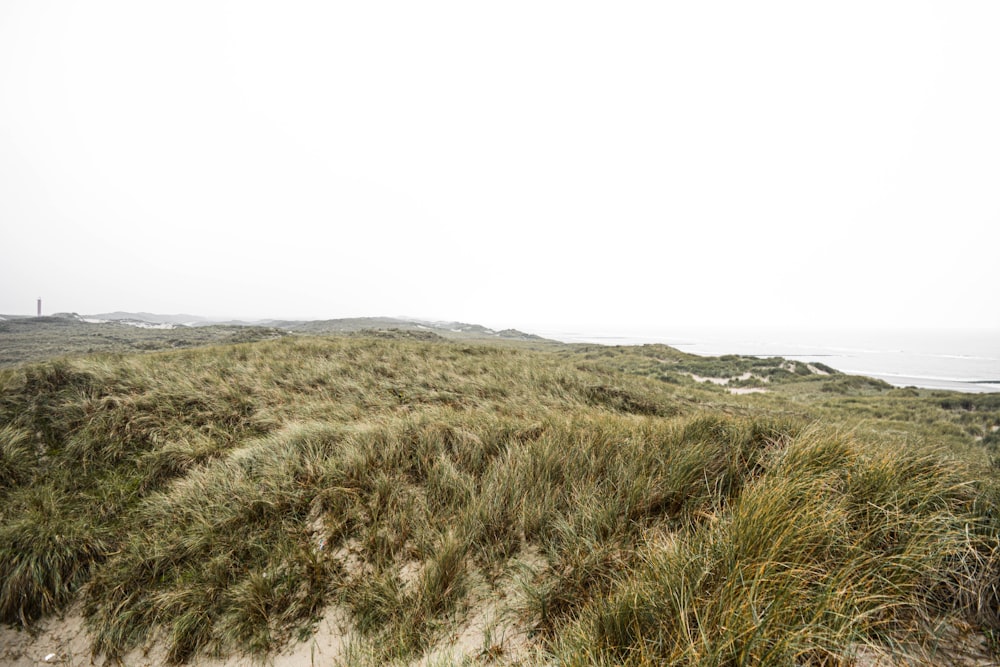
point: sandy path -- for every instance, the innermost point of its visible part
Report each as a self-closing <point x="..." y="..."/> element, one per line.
<point x="63" y="641"/>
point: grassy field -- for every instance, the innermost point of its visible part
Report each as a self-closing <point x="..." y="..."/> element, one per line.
<point x="624" y="508"/>
<point x="41" y="338"/>
<point x="67" y="334"/>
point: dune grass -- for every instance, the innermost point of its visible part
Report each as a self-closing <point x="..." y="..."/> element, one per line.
<point x="835" y="544"/>
<point x="217" y="500"/>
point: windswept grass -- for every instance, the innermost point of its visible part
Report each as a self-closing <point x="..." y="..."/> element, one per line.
<point x="836" y="544"/>
<point x="217" y="500"/>
<point x="17" y="457"/>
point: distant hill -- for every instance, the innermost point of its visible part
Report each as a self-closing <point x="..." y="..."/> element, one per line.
<point x="451" y="330"/>
<point x="151" y="318"/>
<point x="24" y="338"/>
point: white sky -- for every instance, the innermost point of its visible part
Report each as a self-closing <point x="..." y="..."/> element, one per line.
<point x="612" y="165"/>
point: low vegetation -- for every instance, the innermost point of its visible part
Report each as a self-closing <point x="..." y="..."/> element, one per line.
<point x="216" y="500"/>
<point x="41" y="338"/>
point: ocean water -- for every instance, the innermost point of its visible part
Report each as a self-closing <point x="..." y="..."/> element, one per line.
<point x="957" y="360"/>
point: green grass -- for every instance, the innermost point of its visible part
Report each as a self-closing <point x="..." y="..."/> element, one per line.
<point x="834" y="544"/>
<point x="216" y="500"/>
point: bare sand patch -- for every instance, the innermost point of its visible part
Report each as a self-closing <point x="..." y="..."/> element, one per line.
<point x="493" y="631"/>
<point x="64" y="641"/>
<point x="702" y="378"/>
<point x="327" y="645"/>
<point x="724" y="382"/>
<point x="60" y="640"/>
<point x="957" y="645"/>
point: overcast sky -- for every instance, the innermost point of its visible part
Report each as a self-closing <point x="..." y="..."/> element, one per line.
<point x="602" y="165"/>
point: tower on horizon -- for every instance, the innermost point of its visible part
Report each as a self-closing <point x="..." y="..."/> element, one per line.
<point x="39" y="306"/>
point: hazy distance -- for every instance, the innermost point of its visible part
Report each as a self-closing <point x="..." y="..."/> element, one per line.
<point x="539" y="165"/>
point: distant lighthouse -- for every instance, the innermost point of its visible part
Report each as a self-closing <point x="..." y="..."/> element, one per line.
<point x="39" y="306"/>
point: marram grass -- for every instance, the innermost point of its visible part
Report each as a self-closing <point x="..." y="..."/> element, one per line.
<point x="810" y="559"/>
<point x="217" y="500"/>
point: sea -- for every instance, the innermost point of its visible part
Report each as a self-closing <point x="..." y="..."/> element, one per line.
<point x="950" y="359"/>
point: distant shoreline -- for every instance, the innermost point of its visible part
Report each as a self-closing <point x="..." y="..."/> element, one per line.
<point x="932" y="383"/>
<point x="949" y="361"/>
